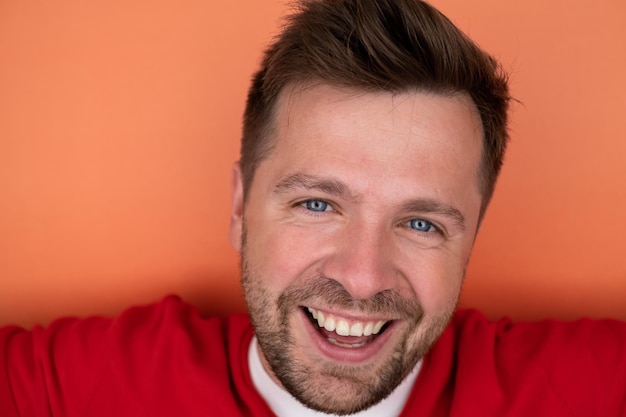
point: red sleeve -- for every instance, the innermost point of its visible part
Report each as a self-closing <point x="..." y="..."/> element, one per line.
<point x="524" y="369"/>
<point x="583" y="363"/>
<point x="40" y="369"/>
<point x="160" y="360"/>
<point x="8" y="406"/>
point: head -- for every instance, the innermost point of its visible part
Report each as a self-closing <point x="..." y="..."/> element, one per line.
<point x="373" y="135"/>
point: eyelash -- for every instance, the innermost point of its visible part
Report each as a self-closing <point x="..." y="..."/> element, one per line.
<point x="303" y="206"/>
<point x="436" y="230"/>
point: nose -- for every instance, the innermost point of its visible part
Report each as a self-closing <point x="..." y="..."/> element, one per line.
<point x="363" y="260"/>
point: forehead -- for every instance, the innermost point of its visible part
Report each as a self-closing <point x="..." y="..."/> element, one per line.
<point x="308" y="100"/>
<point x="422" y="143"/>
<point x="310" y="115"/>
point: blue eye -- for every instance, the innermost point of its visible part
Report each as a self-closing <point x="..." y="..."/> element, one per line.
<point x="421" y="225"/>
<point x="316" y="205"/>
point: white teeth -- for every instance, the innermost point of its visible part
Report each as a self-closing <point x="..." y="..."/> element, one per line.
<point x="329" y="324"/>
<point x="356" y="329"/>
<point x="346" y="345"/>
<point x="379" y="325"/>
<point x="343" y="328"/>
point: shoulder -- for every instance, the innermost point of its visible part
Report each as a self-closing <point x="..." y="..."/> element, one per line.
<point x="145" y="337"/>
<point x="545" y="338"/>
<point x="575" y="368"/>
<point x="582" y="347"/>
<point x="180" y="325"/>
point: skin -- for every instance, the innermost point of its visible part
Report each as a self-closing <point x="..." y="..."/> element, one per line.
<point x="366" y="209"/>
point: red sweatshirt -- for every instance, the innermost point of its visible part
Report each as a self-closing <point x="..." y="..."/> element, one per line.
<point x="166" y="360"/>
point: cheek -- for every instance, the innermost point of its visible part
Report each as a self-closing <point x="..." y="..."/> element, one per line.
<point x="281" y="254"/>
<point x="437" y="280"/>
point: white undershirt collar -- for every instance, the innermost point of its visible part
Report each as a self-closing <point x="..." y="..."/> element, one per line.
<point x="284" y="405"/>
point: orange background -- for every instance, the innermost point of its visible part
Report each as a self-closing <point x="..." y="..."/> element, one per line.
<point x="119" y="121"/>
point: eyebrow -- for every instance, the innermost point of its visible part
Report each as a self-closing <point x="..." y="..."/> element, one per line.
<point x="313" y="182"/>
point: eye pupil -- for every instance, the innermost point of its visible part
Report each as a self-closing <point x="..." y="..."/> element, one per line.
<point x="316" y="205"/>
<point x="421" y="225"/>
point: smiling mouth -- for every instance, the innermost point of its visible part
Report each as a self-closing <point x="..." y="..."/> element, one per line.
<point x="346" y="333"/>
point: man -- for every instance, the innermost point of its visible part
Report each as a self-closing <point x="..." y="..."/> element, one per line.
<point x="373" y="136"/>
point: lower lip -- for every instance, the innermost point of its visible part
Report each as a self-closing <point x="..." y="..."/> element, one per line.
<point x="359" y="355"/>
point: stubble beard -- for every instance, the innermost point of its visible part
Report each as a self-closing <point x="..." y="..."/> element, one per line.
<point x="324" y="385"/>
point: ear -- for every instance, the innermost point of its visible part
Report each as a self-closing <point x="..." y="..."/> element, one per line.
<point x="236" y="213"/>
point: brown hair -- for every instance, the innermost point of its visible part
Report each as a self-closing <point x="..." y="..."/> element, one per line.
<point x="388" y="45"/>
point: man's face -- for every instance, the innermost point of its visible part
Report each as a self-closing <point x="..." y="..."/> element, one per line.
<point x="355" y="237"/>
